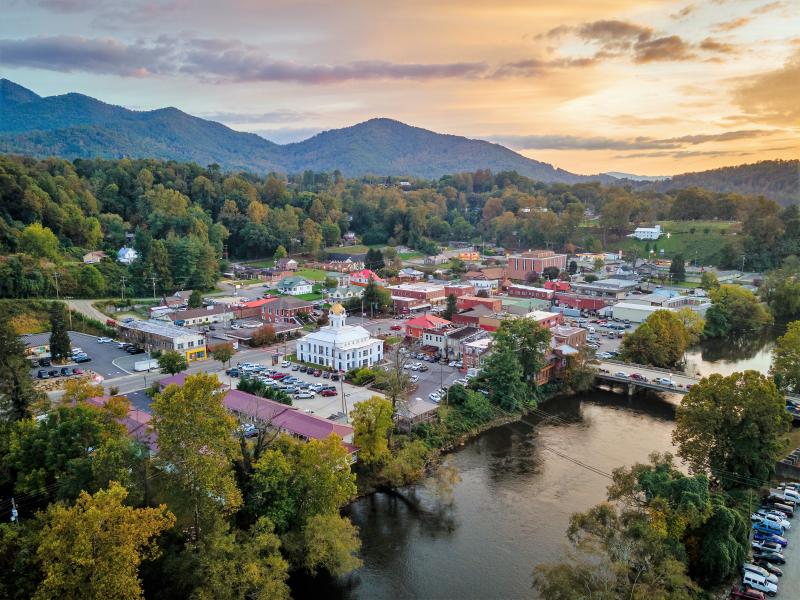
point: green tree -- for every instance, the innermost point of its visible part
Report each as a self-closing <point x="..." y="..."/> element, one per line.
<point x="372" y="425"/>
<point x="39" y="241"/>
<point x="91" y="281"/>
<point x="504" y="374"/>
<point x="581" y="370"/>
<point x="733" y="427"/>
<point x="60" y="344"/>
<point x="598" y="264"/>
<point x="374" y="259"/>
<point x="677" y="268"/>
<point x="786" y="358"/>
<point x="734" y="311"/>
<point x="280" y="252"/>
<point x="312" y="237"/>
<point x="709" y="281"/>
<point x="94" y="549"/>
<point x="172" y="362"/>
<point x="195" y="299"/>
<point x="693" y="324"/>
<point x="450" y="308"/>
<point x="573" y="267"/>
<point x="374" y="297"/>
<point x="660" y="341"/>
<point x="457" y="266"/>
<point x="781" y="289"/>
<point x="529" y="341"/>
<point x="331" y="542"/>
<point x="16" y="387"/>
<point x="590" y="278"/>
<point x="223" y="353"/>
<point x="196" y="446"/>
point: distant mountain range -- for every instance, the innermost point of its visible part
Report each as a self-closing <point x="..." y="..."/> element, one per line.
<point x="78" y="126"/>
<point x="632" y="177"/>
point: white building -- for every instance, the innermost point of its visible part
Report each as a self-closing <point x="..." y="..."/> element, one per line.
<point x="340" y="346"/>
<point x="647" y="233"/>
<point x="127" y="255"/>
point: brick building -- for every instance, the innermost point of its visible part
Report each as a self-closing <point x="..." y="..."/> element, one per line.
<point x="517" y="290"/>
<point x="534" y="261"/>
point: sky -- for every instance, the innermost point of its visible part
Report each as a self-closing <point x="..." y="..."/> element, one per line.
<point x="638" y="86"/>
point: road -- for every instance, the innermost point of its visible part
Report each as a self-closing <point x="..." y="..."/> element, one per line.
<point x="86" y="308"/>
<point x="609" y="368"/>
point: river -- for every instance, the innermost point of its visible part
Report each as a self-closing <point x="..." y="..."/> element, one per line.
<point x="519" y="485"/>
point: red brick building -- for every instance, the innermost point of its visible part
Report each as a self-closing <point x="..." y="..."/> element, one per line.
<point x="458" y="289"/>
<point x="467" y="302"/>
<point x="580" y="302"/>
<point x="423" y="293"/>
<point x="526" y="291"/>
<point x="521" y="265"/>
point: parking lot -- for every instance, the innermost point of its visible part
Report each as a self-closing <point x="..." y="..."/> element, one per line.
<point x="323" y="406"/>
<point x="107" y="360"/>
<point x="437" y="375"/>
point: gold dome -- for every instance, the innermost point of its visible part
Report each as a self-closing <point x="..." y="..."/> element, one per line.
<point x="337" y="309"/>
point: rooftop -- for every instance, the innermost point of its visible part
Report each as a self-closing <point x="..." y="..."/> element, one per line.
<point x="160" y="328"/>
<point x="193" y="313"/>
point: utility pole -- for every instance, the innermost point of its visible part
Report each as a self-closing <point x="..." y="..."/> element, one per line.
<point x="123" y="289"/>
<point x="55" y="276"/>
<point x="153" y="277"/>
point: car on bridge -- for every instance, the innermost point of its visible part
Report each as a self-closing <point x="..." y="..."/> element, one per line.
<point x="639" y="377"/>
<point x="665" y="381"/>
<point x="621" y="374"/>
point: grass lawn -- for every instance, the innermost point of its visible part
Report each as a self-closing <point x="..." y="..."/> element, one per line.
<point x="793" y="440"/>
<point x="311" y="274"/>
<point x="409" y="255"/>
<point x="700" y="240"/>
<point x="309" y="297"/>
<point x="357" y="249"/>
<point x="263" y="263"/>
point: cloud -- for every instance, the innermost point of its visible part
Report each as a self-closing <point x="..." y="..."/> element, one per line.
<point x="772" y="97"/>
<point x="568" y="142"/>
<point x="65" y="6"/>
<point x="713" y="45"/>
<point x="212" y="60"/>
<point x="668" y="48"/>
<point x="274" y="116"/>
<point x="733" y="24"/>
<point x="684" y="12"/>
<point x="93" y="55"/>
<point x="766" y="8"/>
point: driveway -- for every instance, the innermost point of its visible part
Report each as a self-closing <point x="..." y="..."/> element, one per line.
<point x="86" y="308"/>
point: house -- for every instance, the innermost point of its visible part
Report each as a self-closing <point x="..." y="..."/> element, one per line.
<point x="127" y="255"/>
<point x="438" y="259"/>
<point x="469" y="255"/>
<point x="489" y="279"/>
<point x="294" y="286"/>
<point x="415" y="327"/>
<point x="349" y="239"/>
<point x="340" y="266"/>
<point x="494" y="304"/>
<point x="92" y="258"/>
<point x="409" y="274"/>
<point x="347" y="292"/>
<point x="157" y="335"/>
<point x="474" y="352"/>
<point x="364" y="276"/>
<point x="520" y="266"/>
<point x="283" y="310"/>
<point x="200" y="316"/>
<point x="286" y="264"/>
<point x="340" y="346"/>
<point x="647" y="233"/>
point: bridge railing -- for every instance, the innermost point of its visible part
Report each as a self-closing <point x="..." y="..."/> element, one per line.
<point x="649" y="368"/>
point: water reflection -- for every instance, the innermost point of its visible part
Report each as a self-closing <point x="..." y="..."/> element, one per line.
<point x="753" y="351"/>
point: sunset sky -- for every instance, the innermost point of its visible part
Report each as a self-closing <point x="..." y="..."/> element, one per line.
<point x="647" y="87"/>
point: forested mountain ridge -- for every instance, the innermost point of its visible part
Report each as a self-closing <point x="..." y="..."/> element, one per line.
<point x="77" y="126"/>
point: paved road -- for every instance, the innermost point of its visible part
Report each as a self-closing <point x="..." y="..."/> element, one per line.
<point x="85" y="307"/>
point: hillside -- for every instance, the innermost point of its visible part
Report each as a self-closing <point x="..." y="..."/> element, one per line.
<point x="77" y="126"/>
<point x="776" y="179"/>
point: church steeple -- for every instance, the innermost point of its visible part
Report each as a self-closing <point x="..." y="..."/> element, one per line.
<point x="337" y="315"/>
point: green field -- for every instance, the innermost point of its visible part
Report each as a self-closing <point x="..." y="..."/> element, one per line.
<point x="696" y="240"/>
<point x="409" y="255"/>
<point x="357" y="249"/>
<point x="311" y="274"/>
<point x="262" y="264"/>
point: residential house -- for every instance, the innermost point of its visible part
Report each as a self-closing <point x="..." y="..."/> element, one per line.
<point x="415" y="327"/>
<point x="136" y="422"/>
<point x="286" y="264"/>
<point x="92" y="258"/>
<point x="349" y="239"/>
<point x="437" y="259"/>
<point x="294" y="286"/>
<point x="127" y="255"/>
<point x="343" y="293"/>
<point x="286" y="309"/>
<point x="647" y="233"/>
<point x="409" y="274"/>
<point x="364" y="276"/>
<point x="474" y="352"/>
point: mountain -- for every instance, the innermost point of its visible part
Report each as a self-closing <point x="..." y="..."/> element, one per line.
<point x="776" y="179"/>
<point x="633" y="177"/>
<point x="77" y="126"/>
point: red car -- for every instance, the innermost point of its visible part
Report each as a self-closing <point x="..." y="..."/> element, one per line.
<point x="328" y="392"/>
<point x="317" y="373"/>
<point x="396" y="327"/>
<point x="746" y="594"/>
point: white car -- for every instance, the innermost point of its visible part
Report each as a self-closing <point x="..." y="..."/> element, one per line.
<point x="452" y="363"/>
<point x="434" y="397"/>
<point x="414" y="378"/>
<point x="104" y="340"/>
<point x="665" y="381"/>
<point x="304" y="395"/>
<point x="621" y="375"/>
<point x="760" y="571"/>
<point x="286" y="364"/>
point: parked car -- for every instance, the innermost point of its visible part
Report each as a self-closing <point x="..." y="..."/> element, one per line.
<point x="328" y="392"/>
<point x="66" y="371"/>
<point x="317" y="373"/>
<point x="44" y="362"/>
<point x="759" y="583"/>
<point x="42" y="374"/>
<point x="414" y="378"/>
<point x="77" y="371"/>
<point x="326" y="375"/>
<point x="295" y="367"/>
<point x="770" y="537"/>
<point x="396" y="327"/>
<point x="763" y="545"/>
<point x="54" y="372"/>
<point x="334" y="377"/>
<point x="304" y="395"/>
<point x="773" y="516"/>
<point x="746" y="594"/>
<point x="104" y="340"/>
<point x="248" y="430"/>
<point x="750" y="567"/>
<point x="285" y="364"/>
<point x="621" y="375"/>
<point x="423" y="367"/>
<point x="303" y="368"/>
<point x="774" y="569"/>
<point x="773" y="557"/>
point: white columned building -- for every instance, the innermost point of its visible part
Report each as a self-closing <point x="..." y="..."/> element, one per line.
<point x="339" y="346"/>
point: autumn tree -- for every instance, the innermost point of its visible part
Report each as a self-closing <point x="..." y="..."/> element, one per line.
<point x="330" y="542"/>
<point x="280" y="252"/>
<point x="80" y="390"/>
<point x="39" y="241"/>
<point x="263" y="336"/>
<point x="172" y="362"/>
<point x="786" y="359"/>
<point x="709" y="281"/>
<point x="94" y="548"/>
<point x="693" y="324"/>
<point x="60" y="344"/>
<point x="732" y="427"/>
<point x="372" y="424"/>
<point x="223" y="352"/>
<point x="735" y="311"/>
<point x="195" y="448"/>
<point x="660" y="341"/>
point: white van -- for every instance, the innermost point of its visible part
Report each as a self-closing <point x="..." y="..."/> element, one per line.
<point x="760" y="583"/>
<point x="751" y="568"/>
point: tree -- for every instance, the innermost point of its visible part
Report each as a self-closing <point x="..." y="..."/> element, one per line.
<point x="450" y="308"/>
<point x="60" y="344"/>
<point x="733" y="427"/>
<point x="80" y="390"/>
<point x="374" y="259"/>
<point x="263" y="336"/>
<point x="786" y="359"/>
<point x="223" y="353"/>
<point x="91" y="281"/>
<point x="781" y="289"/>
<point x="590" y="278"/>
<point x="280" y="252"/>
<point x="581" y="370"/>
<point x="372" y="424"/>
<point x="709" y="281"/>
<point x="504" y="374"/>
<point x="529" y="341"/>
<point x="734" y="311"/>
<point x="195" y="299"/>
<point x="172" y="362"/>
<point x="693" y="324"/>
<point x="94" y="549"/>
<point x="599" y="263"/>
<point x="393" y="381"/>
<point x="550" y="273"/>
<point x="573" y="267"/>
<point x="195" y="448"/>
<point x="677" y="269"/>
<point x="661" y="341"/>
<point x="457" y="266"/>
<point x="312" y="237"/>
<point x="39" y="241"/>
<point x="331" y="542"/>
<point x="374" y="297"/>
<point x="16" y="387"/>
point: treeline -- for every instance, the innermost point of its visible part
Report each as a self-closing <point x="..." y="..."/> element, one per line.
<point x="183" y="219"/>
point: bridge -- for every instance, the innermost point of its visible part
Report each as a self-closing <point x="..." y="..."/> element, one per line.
<point x="643" y="377"/>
